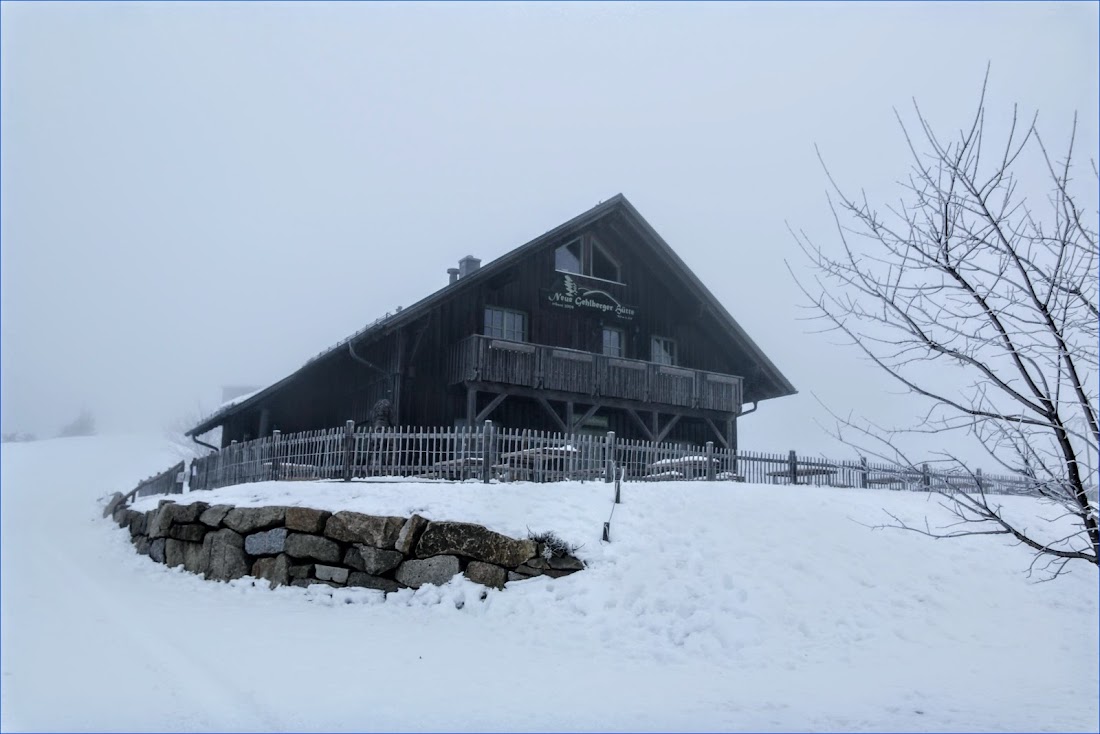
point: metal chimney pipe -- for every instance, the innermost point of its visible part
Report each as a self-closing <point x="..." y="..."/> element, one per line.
<point x="467" y="265"/>
<point x="453" y="272"/>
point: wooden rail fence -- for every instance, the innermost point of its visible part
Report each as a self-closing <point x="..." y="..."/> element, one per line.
<point x="169" y="481"/>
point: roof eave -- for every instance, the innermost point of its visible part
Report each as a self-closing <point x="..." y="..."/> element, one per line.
<point x="739" y="334"/>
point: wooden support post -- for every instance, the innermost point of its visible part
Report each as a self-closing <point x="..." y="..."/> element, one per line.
<point x="792" y="467"/>
<point x="668" y="427"/>
<point x="710" y="461"/>
<point x="471" y="406"/>
<point x="587" y="414"/>
<point x="607" y="532"/>
<point x="731" y="444"/>
<point x="925" y="478"/>
<point x="655" y="418"/>
<point x="553" y="413"/>
<point x="637" y="419"/>
<point x="609" y="459"/>
<point x="618" y="483"/>
<point x="569" y="424"/>
<point x="487" y="452"/>
<point x="349" y="448"/>
<point x="718" y="434"/>
<point x="275" y="435"/>
<point x="265" y="423"/>
<point x="978" y="479"/>
<point x="490" y="407"/>
<point x="863" y="472"/>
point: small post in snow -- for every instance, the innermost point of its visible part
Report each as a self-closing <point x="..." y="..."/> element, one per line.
<point x="617" y="485"/>
<point x="349" y="448"/>
<point x="710" y="461"/>
<point x="607" y="532"/>
<point x="863" y="472"/>
<point x="925" y="477"/>
<point x="792" y="466"/>
<point x="609" y="460"/>
<point x="978" y="479"/>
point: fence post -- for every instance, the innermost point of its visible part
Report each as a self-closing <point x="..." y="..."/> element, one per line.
<point x="863" y="472"/>
<point x="925" y="478"/>
<point x="609" y="461"/>
<point x="349" y="448"/>
<point x="792" y="467"/>
<point x="275" y="435"/>
<point x="487" y="451"/>
<point x="618" y="482"/>
<point x="230" y="476"/>
<point x="710" y="461"/>
<point x="978" y="479"/>
<point x="607" y="532"/>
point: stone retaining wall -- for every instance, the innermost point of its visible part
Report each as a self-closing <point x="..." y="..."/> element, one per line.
<point x="300" y="546"/>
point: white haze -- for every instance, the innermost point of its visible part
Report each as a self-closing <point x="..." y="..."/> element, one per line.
<point x="198" y="195"/>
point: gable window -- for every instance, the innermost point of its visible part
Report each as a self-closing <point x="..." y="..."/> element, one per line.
<point x="586" y="256"/>
<point x="502" y="323"/>
<point x="662" y="350"/>
<point x="567" y="258"/>
<point x="612" y="342"/>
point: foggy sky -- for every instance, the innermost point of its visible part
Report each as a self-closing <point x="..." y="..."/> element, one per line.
<point x="197" y="195"/>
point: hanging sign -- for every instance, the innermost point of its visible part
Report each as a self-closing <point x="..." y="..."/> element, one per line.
<point x="566" y="294"/>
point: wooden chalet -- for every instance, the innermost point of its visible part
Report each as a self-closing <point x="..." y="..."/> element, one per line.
<point x="595" y="326"/>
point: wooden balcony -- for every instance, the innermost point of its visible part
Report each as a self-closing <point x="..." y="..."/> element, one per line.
<point x="488" y="360"/>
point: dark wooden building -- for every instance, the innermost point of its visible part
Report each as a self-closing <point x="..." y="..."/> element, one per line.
<point x="595" y="326"/>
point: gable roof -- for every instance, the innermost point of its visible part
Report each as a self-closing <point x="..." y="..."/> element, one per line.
<point x="768" y="371"/>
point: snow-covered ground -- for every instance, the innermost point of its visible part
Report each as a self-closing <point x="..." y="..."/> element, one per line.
<point x="715" y="606"/>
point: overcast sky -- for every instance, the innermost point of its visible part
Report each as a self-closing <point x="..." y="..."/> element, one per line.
<point x="196" y="195"/>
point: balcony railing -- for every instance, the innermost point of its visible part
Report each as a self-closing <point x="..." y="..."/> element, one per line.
<point x="485" y="359"/>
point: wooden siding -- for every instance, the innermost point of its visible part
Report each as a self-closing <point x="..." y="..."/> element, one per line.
<point x="417" y="366"/>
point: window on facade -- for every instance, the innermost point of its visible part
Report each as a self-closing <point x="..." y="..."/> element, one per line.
<point x="612" y="342"/>
<point x="587" y="257"/>
<point x="501" y="323"/>
<point x="662" y="350"/>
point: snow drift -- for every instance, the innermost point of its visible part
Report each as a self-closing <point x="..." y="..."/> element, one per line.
<point x="716" y="606"/>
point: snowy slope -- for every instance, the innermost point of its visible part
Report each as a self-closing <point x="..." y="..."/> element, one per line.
<point x="716" y="606"/>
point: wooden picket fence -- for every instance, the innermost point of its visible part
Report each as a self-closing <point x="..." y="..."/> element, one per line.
<point x="488" y="453"/>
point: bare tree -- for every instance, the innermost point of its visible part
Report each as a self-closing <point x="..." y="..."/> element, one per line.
<point x="966" y="271"/>
<point x="82" y="425"/>
<point x="176" y="433"/>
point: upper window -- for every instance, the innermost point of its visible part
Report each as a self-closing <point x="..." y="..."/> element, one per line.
<point x="612" y="342"/>
<point x="587" y="257"/>
<point x="567" y="258"/>
<point x="662" y="350"/>
<point x="504" y="324"/>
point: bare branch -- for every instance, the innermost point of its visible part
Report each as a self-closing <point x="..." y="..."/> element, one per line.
<point x="963" y="269"/>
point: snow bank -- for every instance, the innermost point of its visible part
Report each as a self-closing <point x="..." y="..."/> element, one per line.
<point x="716" y="606"/>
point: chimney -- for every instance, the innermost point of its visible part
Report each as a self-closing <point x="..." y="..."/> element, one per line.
<point x="453" y="272"/>
<point x="468" y="265"/>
